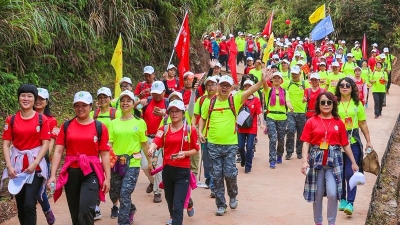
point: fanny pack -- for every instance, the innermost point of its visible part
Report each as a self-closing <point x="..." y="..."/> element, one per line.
<point x="123" y="162"/>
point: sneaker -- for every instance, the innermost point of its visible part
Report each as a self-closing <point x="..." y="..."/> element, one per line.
<point x="50" y="217"/>
<point x="207" y="183"/>
<point x="157" y="198"/>
<point x="247" y="170"/>
<point x="132" y="216"/>
<point x="149" y="188"/>
<point x="114" y="212"/>
<point x="212" y="195"/>
<point x="279" y="159"/>
<point x="299" y="156"/>
<point x="288" y="156"/>
<point x="220" y="211"/>
<point x="169" y="222"/>
<point x="349" y="209"/>
<point x="272" y="165"/>
<point x="190" y="211"/>
<point x="97" y="215"/>
<point x="233" y="203"/>
<point x="342" y="205"/>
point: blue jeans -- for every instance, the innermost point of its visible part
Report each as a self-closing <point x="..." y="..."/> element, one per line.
<point x="348" y="172"/>
<point x="246" y="154"/>
<point x="207" y="164"/>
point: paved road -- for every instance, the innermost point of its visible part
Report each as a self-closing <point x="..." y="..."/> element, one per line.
<point x="266" y="196"/>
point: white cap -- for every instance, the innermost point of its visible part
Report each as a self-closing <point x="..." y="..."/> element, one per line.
<point x="170" y="66"/>
<point x="83" y="96"/>
<point x="231" y="35"/>
<point x="248" y="82"/>
<point x="249" y="58"/>
<point x="269" y="67"/>
<point x="335" y="64"/>
<point x="340" y="47"/>
<point x="314" y="75"/>
<point x="148" y="70"/>
<point x="298" y="38"/>
<point x="356" y="42"/>
<point x="275" y="56"/>
<point x="383" y="56"/>
<point x="338" y="56"/>
<point x="357" y="179"/>
<point x="330" y="42"/>
<point x="349" y="55"/>
<point x="295" y="69"/>
<point x="322" y="57"/>
<point x="157" y="87"/>
<point x="322" y="63"/>
<point x="300" y="62"/>
<point x="177" y="104"/>
<point x="301" y="43"/>
<point x="226" y="79"/>
<point x="125" y="79"/>
<point x="330" y="49"/>
<point x="127" y="93"/>
<point x="104" y="90"/>
<point x="265" y="36"/>
<point x="306" y="39"/>
<point x="223" y="37"/>
<point x="289" y="43"/>
<point x="373" y="50"/>
<point x="211" y="78"/>
<point x="296" y="53"/>
<point x="16" y="184"/>
<point x="176" y="93"/>
<point x="44" y="93"/>
<point x="343" y="42"/>
<point x="293" y="39"/>
<point x="285" y="46"/>
<point x="357" y="45"/>
<point x="386" y="50"/>
<point x="357" y="67"/>
<point x="375" y="44"/>
<point x="285" y="61"/>
<point x="249" y="35"/>
<point x="318" y="50"/>
<point x="218" y="64"/>
<point x="188" y="73"/>
<point x="279" y="74"/>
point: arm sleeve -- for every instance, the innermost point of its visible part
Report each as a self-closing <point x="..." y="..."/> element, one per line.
<point x="343" y="133"/>
<point x="61" y="136"/>
<point x="143" y="137"/>
<point x="53" y="128"/>
<point x="307" y="131"/>
<point x="159" y="138"/>
<point x="137" y="89"/>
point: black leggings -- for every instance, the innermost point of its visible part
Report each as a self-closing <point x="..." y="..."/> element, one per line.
<point x="82" y="193"/>
<point x="26" y="201"/>
<point x="378" y="102"/>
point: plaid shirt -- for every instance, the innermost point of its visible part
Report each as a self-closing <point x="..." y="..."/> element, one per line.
<point x="335" y="160"/>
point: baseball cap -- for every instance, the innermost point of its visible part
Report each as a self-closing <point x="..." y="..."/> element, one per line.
<point x="357" y="179"/>
<point x="306" y="38"/>
<point x="231" y="35"/>
<point x="16" y="184"/>
<point x="249" y="58"/>
<point x="249" y="35"/>
<point x="226" y="79"/>
<point x="83" y="96"/>
<point x="275" y="56"/>
<point x="44" y="93"/>
<point x="148" y="70"/>
<point x="349" y="55"/>
<point x="318" y="50"/>
<point x="285" y="61"/>
<point x="248" y="82"/>
<point x="322" y="64"/>
<point x="357" y="67"/>
<point x="300" y="62"/>
<point x="223" y="37"/>
<point x="383" y="56"/>
<point x="127" y="93"/>
<point x="297" y="53"/>
<point x="295" y="69"/>
<point x="375" y="44"/>
<point x="265" y="36"/>
<point x="338" y="56"/>
<point x="177" y="104"/>
<point x="373" y="50"/>
<point x="170" y="66"/>
<point x="293" y="39"/>
<point x="279" y="74"/>
<point x="211" y="78"/>
<point x="343" y="42"/>
<point x="218" y="64"/>
<point x="188" y="73"/>
<point x="125" y="79"/>
<point x="175" y="93"/>
<point x="340" y="47"/>
<point x="335" y="64"/>
<point x="298" y="38"/>
<point x="105" y="91"/>
<point x="386" y="50"/>
<point x="314" y="75"/>
<point x="157" y="87"/>
<point x="331" y="42"/>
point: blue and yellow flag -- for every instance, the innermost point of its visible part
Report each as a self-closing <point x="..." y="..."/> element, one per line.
<point x="116" y="62"/>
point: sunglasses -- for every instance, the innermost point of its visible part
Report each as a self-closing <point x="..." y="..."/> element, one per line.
<point x="344" y="85"/>
<point x="326" y="102"/>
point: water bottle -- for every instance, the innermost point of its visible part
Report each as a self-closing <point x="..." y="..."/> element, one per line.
<point x="139" y="107"/>
<point x="369" y="150"/>
<point x="52" y="187"/>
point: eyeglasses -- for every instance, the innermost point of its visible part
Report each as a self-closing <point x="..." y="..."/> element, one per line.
<point x="326" y="102"/>
<point x="344" y="85"/>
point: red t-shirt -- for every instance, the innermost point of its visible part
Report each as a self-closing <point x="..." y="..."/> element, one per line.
<point x="142" y="86"/>
<point x="314" y="131"/>
<point x="172" y="85"/>
<point x="223" y="48"/>
<point x="311" y="98"/>
<point x="172" y="142"/>
<point x="82" y="139"/>
<point x="372" y="63"/>
<point x="314" y="63"/>
<point x="255" y="109"/>
<point x="248" y="68"/>
<point x="26" y="134"/>
<point x="153" y="121"/>
<point x="53" y="127"/>
<point x="290" y="53"/>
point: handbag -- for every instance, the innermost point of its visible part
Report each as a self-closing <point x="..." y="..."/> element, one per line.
<point x="371" y="163"/>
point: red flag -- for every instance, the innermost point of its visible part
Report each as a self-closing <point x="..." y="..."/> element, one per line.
<point x="268" y="26"/>
<point x="233" y="51"/>
<point x="364" y="47"/>
<point x="181" y="46"/>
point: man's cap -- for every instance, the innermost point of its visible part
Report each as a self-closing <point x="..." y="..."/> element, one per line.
<point x="321" y="64"/>
<point x="175" y="93"/>
<point x="279" y="74"/>
<point x="127" y="93"/>
<point x="83" y="96"/>
<point x="335" y="64"/>
<point x="211" y="78"/>
<point x="349" y="55"/>
<point x="170" y="66"/>
<point x="231" y="35"/>
<point x="297" y="53"/>
<point x="322" y="57"/>
<point x="298" y="38"/>
<point x="386" y="50"/>
<point x="188" y="73"/>
<point x="176" y="104"/>
<point x="223" y="37"/>
<point x="383" y="56"/>
<point x="338" y="56"/>
<point x="265" y="36"/>
<point x="248" y="82"/>
<point x="301" y="62"/>
<point x="275" y="56"/>
<point x="295" y="69"/>
<point x="249" y="35"/>
<point x="44" y="93"/>
<point x="157" y="87"/>
<point x="315" y="76"/>
<point x="148" y="70"/>
<point x="375" y="45"/>
<point x="105" y="91"/>
<point x="285" y="61"/>
<point x="16" y="184"/>
<point x="331" y="42"/>
<point x="226" y="79"/>
<point x="249" y="58"/>
<point x="318" y="50"/>
<point x="373" y="50"/>
<point x="343" y="42"/>
<point x="125" y="79"/>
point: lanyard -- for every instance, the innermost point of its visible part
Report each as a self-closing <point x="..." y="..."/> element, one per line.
<point x="345" y="109"/>
<point x="326" y="128"/>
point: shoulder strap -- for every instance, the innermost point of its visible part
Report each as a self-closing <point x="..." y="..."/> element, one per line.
<point x="148" y="102"/>
<point x="40" y="118"/>
<point x="12" y="126"/>
<point x="201" y="101"/>
<point x="210" y="109"/>
<point x="142" y="85"/>
<point x="182" y="91"/>
<point x="99" y="130"/>
<point x="232" y="105"/>
<point x="112" y="113"/>
<point x="96" y="113"/>
<point x="303" y="84"/>
<point x="166" y="102"/>
<point x="65" y="128"/>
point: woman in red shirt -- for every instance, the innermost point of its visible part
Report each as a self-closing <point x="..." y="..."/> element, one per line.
<point x="29" y="133"/>
<point x="179" y="142"/>
<point x="323" y="136"/>
<point x="42" y="105"/>
<point x="82" y="172"/>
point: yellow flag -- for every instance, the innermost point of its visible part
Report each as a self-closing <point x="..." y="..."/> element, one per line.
<point x="318" y="14"/>
<point x="269" y="48"/>
<point x="116" y="62"/>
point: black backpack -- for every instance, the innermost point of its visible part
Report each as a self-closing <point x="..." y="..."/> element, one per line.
<point x="99" y="130"/>
<point x="248" y="123"/>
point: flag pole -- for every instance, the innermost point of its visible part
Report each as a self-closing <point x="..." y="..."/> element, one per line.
<point x="177" y="38"/>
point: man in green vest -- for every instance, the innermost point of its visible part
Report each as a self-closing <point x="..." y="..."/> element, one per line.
<point x="241" y="44"/>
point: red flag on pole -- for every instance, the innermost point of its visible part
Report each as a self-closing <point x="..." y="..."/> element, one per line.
<point x="268" y="26"/>
<point x="233" y="51"/>
<point x="364" y="47"/>
<point x="181" y="46"/>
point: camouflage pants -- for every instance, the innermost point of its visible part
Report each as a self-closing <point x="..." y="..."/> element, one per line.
<point x="276" y="133"/>
<point x="223" y="165"/>
<point x="128" y="185"/>
<point x="295" y="124"/>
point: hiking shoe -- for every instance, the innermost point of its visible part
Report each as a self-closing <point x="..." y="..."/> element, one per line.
<point x="169" y="222"/>
<point x="149" y="188"/>
<point x="190" y="211"/>
<point x="349" y="209"/>
<point x="299" y="156"/>
<point x="279" y="159"/>
<point x="233" y="203"/>
<point x="247" y="170"/>
<point x="342" y="205"/>
<point x="97" y="215"/>
<point x="212" y="195"/>
<point x="157" y="198"/>
<point x="51" y="219"/>
<point x="272" y="165"/>
<point x="114" y="212"/>
<point x="220" y="211"/>
<point x="288" y="156"/>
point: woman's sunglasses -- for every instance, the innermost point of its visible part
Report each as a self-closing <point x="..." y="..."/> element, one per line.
<point x="326" y="102"/>
<point x="344" y="85"/>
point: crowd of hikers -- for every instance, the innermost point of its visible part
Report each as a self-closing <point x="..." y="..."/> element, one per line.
<point x="309" y="98"/>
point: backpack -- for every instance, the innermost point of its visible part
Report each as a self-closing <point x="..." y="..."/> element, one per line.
<point x="196" y="91"/>
<point x="40" y="122"/>
<point x="111" y="114"/>
<point x="211" y="109"/>
<point x="201" y="101"/>
<point x="302" y="84"/>
<point x="248" y="123"/>
<point x="166" y="102"/>
<point x="309" y="90"/>
<point x="99" y="130"/>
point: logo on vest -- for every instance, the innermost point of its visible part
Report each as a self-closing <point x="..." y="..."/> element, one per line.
<point x="38" y="129"/>
<point x="6" y="127"/>
<point x="95" y="139"/>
